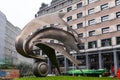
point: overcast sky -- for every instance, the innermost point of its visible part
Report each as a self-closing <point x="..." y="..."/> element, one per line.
<point x="20" y="12"/>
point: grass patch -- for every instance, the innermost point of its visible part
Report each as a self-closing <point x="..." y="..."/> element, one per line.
<point x="66" y="78"/>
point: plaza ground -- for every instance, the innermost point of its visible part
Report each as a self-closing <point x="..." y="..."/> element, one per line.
<point x="67" y="78"/>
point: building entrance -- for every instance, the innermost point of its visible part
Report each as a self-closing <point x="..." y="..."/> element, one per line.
<point x="107" y="60"/>
<point x="94" y="61"/>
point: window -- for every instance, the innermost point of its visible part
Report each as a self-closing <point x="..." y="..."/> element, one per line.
<point x="69" y="28"/>
<point x="81" y="46"/>
<point x="61" y="11"/>
<point x="82" y="58"/>
<point x="42" y="52"/>
<point x="118" y="27"/>
<point x="62" y="4"/>
<point x="55" y="7"/>
<point x="61" y="61"/>
<point x="118" y="14"/>
<point x="79" y="25"/>
<point x="104" y="6"/>
<point x="91" y="1"/>
<point x="91" y="11"/>
<point x="79" y="5"/>
<point x="70" y="63"/>
<point x="105" y="18"/>
<point x="44" y="27"/>
<point x="117" y="40"/>
<point x="51" y="41"/>
<point x="92" y="44"/>
<point x="92" y="33"/>
<point x="69" y="9"/>
<point x="79" y="15"/>
<point x="47" y="10"/>
<point x="80" y="35"/>
<point x="91" y="22"/>
<point x="69" y="18"/>
<point x="105" y="30"/>
<point x="52" y="25"/>
<point x="70" y="0"/>
<point x="37" y="52"/>
<point x="117" y="2"/>
<point x="106" y="42"/>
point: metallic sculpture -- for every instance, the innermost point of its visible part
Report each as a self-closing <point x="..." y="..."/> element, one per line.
<point x="33" y="35"/>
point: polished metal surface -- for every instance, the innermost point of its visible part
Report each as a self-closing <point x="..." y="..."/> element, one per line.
<point x="40" y="69"/>
<point x="33" y="35"/>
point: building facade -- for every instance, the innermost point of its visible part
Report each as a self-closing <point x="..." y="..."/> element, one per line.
<point x="8" y="53"/>
<point x="98" y="25"/>
<point x="2" y="32"/>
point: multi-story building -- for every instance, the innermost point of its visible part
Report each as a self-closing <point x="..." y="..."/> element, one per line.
<point x="8" y="33"/>
<point x="98" y="25"/>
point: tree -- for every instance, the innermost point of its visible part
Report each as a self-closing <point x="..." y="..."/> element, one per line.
<point x="25" y="69"/>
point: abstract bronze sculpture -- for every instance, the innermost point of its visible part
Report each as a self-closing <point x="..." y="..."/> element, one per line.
<point x="33" y="35"/>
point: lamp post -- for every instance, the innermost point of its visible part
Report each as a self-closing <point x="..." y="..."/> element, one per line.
<point x="73" y="67"/>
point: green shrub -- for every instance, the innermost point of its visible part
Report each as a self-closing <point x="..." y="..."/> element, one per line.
<point x="65" y="78"/>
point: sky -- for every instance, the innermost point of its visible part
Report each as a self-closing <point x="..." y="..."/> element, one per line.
<point x="20" y="12"/>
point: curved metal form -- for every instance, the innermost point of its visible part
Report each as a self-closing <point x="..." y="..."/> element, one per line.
<point x="32" y="35"/>
<point x="40" y="68"/>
